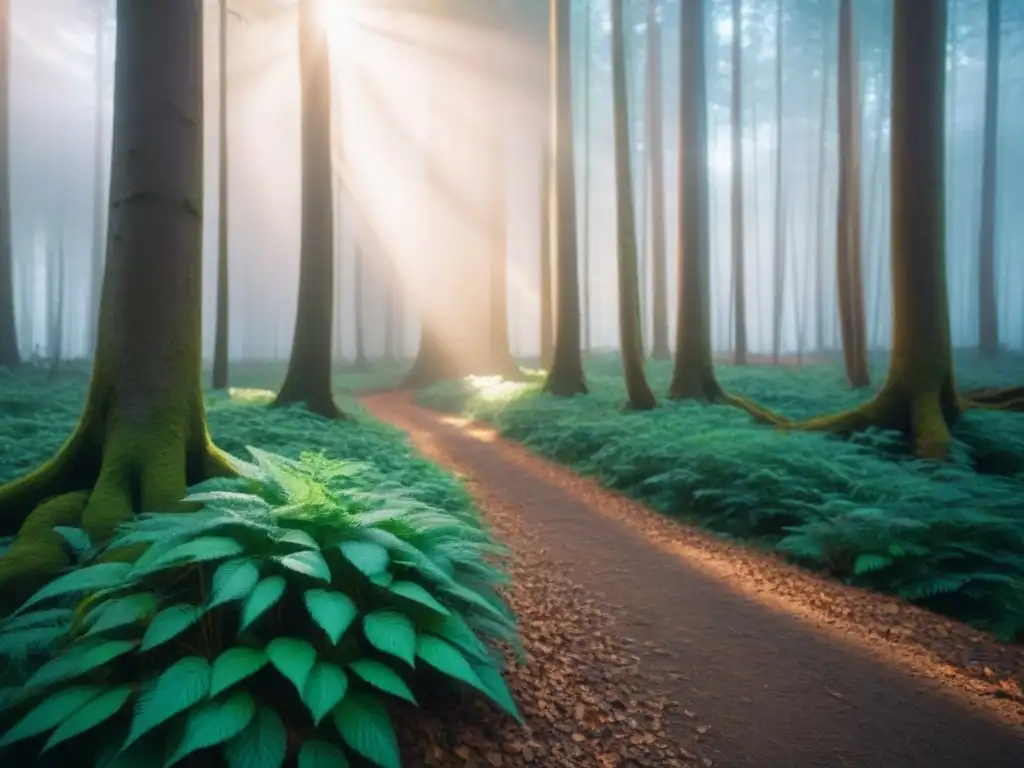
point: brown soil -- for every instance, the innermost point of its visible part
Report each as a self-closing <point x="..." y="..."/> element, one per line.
<point x="760" y="664"/>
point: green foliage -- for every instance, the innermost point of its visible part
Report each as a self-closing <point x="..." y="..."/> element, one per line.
<point x="949" y="537"/>
<point x="262" y="625"/>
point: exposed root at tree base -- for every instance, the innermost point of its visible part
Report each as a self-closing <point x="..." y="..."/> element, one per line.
<point x="996" y="399"/>
<point x="324" y="407"/>
<point x="710" y="392"/>
<point x="924" y="417"/>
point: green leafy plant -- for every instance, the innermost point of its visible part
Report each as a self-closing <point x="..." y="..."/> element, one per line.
<point x="283" y="616"/>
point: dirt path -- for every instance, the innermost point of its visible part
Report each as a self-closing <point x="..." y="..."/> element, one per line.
<point x="780" y="683"/>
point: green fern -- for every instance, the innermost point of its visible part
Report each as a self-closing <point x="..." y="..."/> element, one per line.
<point x="287" y="578"/>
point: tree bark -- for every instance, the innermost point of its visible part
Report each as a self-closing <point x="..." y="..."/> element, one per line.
<point x="142" y="438"/>
<point x="586" y="311"/>
<point x="988" y="310"/>
<point x="565" y="378"/>
<point x="779" y="262"/>
<point x="9" y="353"/>
<point x="638" y="392"/>
<point x="547" y="313"/>
<point x="220" y="343"/>
<point x="819" y="217"/>
<point x="308" y="380"/>
<point x="849" y="271"/>
<point x="502" y="362"/>
<point x="739" y="292"/>
<point x="100" y="199"/>
<point x="656" y="157"/>
<point x="918" y="397"/>
<point x="358" y="289"/>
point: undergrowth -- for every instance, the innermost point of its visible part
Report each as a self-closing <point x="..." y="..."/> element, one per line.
<point x="949" y="537"/>
<point x="287" y="616"/>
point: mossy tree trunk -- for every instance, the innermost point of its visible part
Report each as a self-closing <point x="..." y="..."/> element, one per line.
<point x="849" y="271"/>
<point x="988" y="314"/>
<point x="638" y="392"/>
<point x="919" y="396"/>
<point x="308" y="380"/>
<point x="739" y="283"/>
<point x="656" y="156"/>
<point x="9" y="355"/>
<point x="220" y="341"/>
<point x="565" y="378"/>
<point x="142" y="438"/>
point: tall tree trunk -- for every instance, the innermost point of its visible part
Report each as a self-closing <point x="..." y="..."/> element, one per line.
<point x="988" y="310"/>
<point x="819" y="216"/>
<point x="56" y="274"/>
<point x="918" y="397"/>
<point x="779" y="261"/>
<point x="565" y="378"/>
<point x="358" y="303"/>
<point x="501" y="363"/>
<point x="631" y="346"/>
<point x="586" y="312"/>
<point x="308" y="379"/>
<point x="9" y="355"/>
<point x="547" y="312"/>
<point x="142" y="437"/>
<point x="656" y="157"/>
<point x="739" y="291"/>
<point x="849" y="271"/>
<point x="220" y="343"/>
<point x="100" y="200"/>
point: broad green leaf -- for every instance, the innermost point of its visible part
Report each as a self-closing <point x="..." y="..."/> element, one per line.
<point x="456" y="631"/>
<point x="78" y="660"/>
<point x="182" y="685"/>
<point x="293" y="658"/>
<point x="91" y="577"/>
<point x="383" y="678"/>
<point x="410" y="590"/>
<point x="332" y="611"/>
<point x="233" y="580"/>
<point x="99" y="710"/>
<point x="321" y="754"/>
<point x="299" y="539"/>
<point x="392" y="633"/>
<point x="17" y="645"/>
<point x="495" y="689"/>
<point x="382" y="580"/>
<point x="37" y="618"/>
<point x="76" y="538"/>
<point x="364" y="724"/>
<point x="212" y="723"/>
<point x="170" y="623"/>
<point x="121" y="611"/>
<point x="448" y="660"/>
<point x="324" y="688"/>
<point x="234" y="665"/>
<point x="368" y="558"/>
<point x="263" y="743"/>
<point x="203" y="549"/>
<point x="262" y="598"/>
<point x="308" y="563"/>
<point x="51" y="712"/>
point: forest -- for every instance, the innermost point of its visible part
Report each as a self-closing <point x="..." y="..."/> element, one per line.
<point x="511" y="383"/>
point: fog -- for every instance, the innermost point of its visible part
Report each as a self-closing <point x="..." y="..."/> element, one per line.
<point x="409" y="159"/>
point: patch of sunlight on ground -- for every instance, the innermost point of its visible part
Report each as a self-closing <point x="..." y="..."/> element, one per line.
<point x="250" y="396"/>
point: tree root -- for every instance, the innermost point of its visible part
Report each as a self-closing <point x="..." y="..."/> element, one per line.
<point x="707" y="390"/>
<point x="996" y="399"/>
<point x="96" y="484"/>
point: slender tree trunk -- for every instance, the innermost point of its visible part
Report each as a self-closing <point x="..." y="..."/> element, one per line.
<point x="918" y="397"/>
<point x="819" y="216"/>
<point x="358" y="296"/>
<point x="849" y="272"/>
<point x="220" y="344"/>
<point x="778" y="274"/>
<point x="55" y="276"/>
<point x="142" y="437"/>
<point x="502" y="362"/>
<point x="547" y="312"/>
<point x="308" y="379"/>
<point x="587" y="45"/>
<point x="638" y="392"/>
<point x="9" y="354"/>
<point x="988" y="311"/>
<point x="656" y="144"/>
<point x="739" y="292"/>
<point x="100" y="199"/>
<point x="565" y="378"/>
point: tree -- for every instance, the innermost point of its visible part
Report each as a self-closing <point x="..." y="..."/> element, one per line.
<point x="142" y="437"/>
<point x="819" y="216"/>
<point x="918" y="397"/>
<point x="502" y="362"/>
<point x="358" y="289"/>
<point x="849" y="272"/>
<point x="547" y="313"/>
<point x="738" y="257"/>
<point x="99" y="198"/>
<point x="638" y="391"/>
<point x="588" y="319"/>
<point x="308" y="379"/>
<point x="779" y="270"/>
<point x="9" y="355"/>
<point x="656" y="157"/>
<point x="988" y="314"/>
<point x="220" y="343"/>
<point x="565" y="378"/>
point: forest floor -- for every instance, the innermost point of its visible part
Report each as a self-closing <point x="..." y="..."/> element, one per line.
<point x="754" y="661"/>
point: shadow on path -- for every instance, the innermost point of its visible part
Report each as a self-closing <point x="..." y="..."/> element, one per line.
<point x="780" y="694"/>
